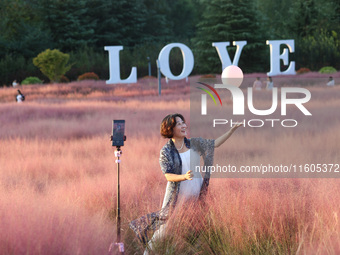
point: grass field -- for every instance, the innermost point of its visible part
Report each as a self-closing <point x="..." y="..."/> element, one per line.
<point x="58" y="175"/>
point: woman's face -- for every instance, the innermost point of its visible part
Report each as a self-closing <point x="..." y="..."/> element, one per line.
<point x="180" y="130"/>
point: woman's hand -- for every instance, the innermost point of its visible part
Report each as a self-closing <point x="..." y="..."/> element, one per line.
<point x="236" y="126"/>
<point x="179" y="177"/>
<point x="188" y="175"/>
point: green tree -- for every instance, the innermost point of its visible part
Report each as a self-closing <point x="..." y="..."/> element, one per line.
<point x="52" y="63"/>
<point x="318" y="50"/>
<point x="310" y="16"/>
<point x="225" y="21"/>
<point x="304" y="18"/>
<point x="22" y="32"/>
<point x="107" y="16"/>
<point x="182" y="17"/>
<point x="315" y="28"/>
<point x="274" y="15"/>
<point x="157" y="28"/>
<point x="118" y="22"/>
<point x="68" y="19"/>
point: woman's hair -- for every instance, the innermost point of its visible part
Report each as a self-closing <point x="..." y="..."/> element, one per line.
<point x="168" y="124"/>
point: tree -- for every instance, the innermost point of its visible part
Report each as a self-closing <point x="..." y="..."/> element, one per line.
<point x="72" y="27"/>
<point x="225" y="21"/>
<point x="22" y="33"/>
<point x="52" y="63"/>
<point x="118" y="22"/>
<point x="107" y="16"/>
<point x="321" y="49"/>
<point x="304" y="18"/>
<point x="274" y="14"/>
<point x="157" y="27"/>
<point x="182" y="17"/>
<point x="315" y="29"/>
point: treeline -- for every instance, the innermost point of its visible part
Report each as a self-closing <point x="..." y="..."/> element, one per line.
<point x="82" y="28"/>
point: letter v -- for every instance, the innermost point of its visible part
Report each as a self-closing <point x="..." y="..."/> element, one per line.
<point x="222" y="51"/>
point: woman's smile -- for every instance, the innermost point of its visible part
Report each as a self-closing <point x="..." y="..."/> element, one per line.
<point x="180" y="130"/>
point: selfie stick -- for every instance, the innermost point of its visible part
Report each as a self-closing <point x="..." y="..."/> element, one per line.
<point x="120" y="245"/>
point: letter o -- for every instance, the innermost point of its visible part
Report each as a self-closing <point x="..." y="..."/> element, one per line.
<point x="252" y="120"/>
<point x="295" y="122"/>
<point x="188" y="61"/>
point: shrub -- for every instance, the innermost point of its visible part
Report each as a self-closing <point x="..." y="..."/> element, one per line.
<point x="303" y="70"/>
<point x="208" y="76"/>
<point x="88" y="76"/>
<point x="52" y="63"/>
<point x="64" y="79"/>
<point x="327" y="69"/>
<point x="31" y="80"/>
<point x="318" y="50"/>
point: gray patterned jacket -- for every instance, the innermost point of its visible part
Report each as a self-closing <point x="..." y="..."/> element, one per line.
<point x="170" y="162"/>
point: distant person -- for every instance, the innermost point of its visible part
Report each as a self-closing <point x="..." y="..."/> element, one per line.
<point x="257" y="84"/>
<point x="330" y="81"/>
<point x="20" y="97"/>
<point x="14" y="83"/>
<point x="270" y="83"/>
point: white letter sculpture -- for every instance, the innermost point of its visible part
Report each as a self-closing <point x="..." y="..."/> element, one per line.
<point x="115" y="67"/>
<point x="188" y="61"/>
<point x="275" y="57"/>
<point x="222" y="51"/>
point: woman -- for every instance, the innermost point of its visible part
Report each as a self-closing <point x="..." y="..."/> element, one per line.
<point x="270" y="83"/>
<point x="257" y="85"/>
<point x="330" y="81"/>
<point x="177" y="157"/>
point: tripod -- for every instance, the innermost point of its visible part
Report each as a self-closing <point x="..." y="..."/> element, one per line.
<point x="120" y="245"/>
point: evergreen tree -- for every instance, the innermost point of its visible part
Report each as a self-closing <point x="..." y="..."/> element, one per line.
<point x="304" y="18"/>
<point x="182" y="18"/>
<point x="226" y="21"/>
<point x="133" y="22"/>
<point x="314" y="28"/>
<point x="107" y="16"/>
<point x="274" y="14"/>
<point x="68" y="19"/>
<point x="22" y="32"/>
<point x="157" y="27"/>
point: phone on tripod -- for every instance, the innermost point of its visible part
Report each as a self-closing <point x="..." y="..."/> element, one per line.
<point x="118" y="137"/>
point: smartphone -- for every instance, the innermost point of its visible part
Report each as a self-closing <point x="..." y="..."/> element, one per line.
<point x="118" y="127"/>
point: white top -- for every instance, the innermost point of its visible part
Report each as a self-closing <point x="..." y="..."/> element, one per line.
<point x="257" y="85"/>
<point x="190" y="188"/>
<point x="270" y="85"/>
<point x="330" y="83"/>
<point x="19" y="98"/>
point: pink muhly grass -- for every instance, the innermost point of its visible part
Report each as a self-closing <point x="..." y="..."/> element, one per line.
<point x="58" y="175"/>
<point x="35" y="224"/>
<point x="267" y="215"/>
